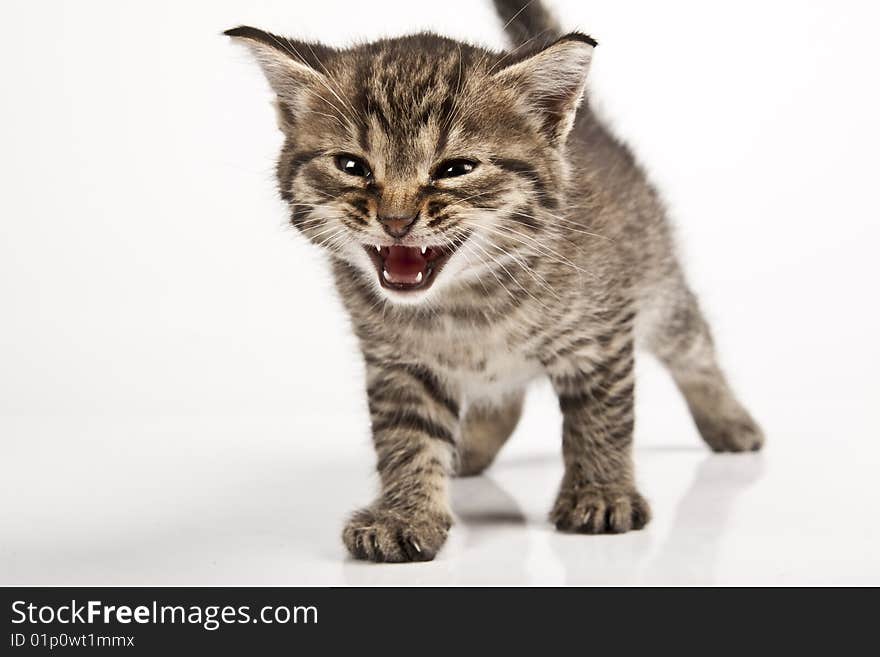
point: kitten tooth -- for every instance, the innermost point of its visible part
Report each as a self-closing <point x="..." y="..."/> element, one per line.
<point x="378" y="248"/>
<point x="385" y="274"/>
<point x="424" y="249"/>
<point x="419" y="277"/>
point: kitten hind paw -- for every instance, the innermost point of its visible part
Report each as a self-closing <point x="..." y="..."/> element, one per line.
<point x="386" y="536"/>
<point x="592" y="509"/>
<point x="731" y="434"/>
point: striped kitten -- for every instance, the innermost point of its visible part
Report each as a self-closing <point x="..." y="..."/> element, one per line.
<point x="485" y="229"/>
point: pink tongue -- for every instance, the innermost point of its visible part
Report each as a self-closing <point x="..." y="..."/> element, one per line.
<point x="403" y="265"/>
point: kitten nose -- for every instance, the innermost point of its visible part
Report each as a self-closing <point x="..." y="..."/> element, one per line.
<point x="398" y="226"/>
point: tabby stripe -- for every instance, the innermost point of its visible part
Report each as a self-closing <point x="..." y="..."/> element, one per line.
<point x="568" y="403"/>
<point x="357" y="218"/>
<point x="623" y="432"/>
<point x="597" y="397"/>
<point x="361" y="205"/>
<point x="397" y="459"/>
<point x="398" y="398"/>
<point x="412" y="421"/>
<point x="618" y="413"/>
<point x="430" y="383"/>
<point x="622" y="398"/>
<point x="298" y="161"/>
<point x="387" y="389"/>
<point x="287" y="170"/>
<point x="599" y="371"/>
<point x="626" y="319"/>
<point x="575" y="380"/>
<point x="527" y="171"/>
<point x="360" y="103"/>
<point x="573" y="346"/>
<point x="298" y="213"/>
<point x="613" y="379"/>
<point x="564" y="332"/>
<point x="525" y="220"/>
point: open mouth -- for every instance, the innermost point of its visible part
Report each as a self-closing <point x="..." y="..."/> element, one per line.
<point x="406" y="268"/>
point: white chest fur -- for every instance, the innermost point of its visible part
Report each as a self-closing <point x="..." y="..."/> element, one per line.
<point x="503" y="374"/>
<point x="483" y="367"/>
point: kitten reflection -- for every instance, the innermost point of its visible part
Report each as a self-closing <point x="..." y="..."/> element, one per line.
<point x="690" y="553"/>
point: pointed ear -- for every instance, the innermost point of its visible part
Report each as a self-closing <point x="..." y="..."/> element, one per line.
<point x="291" y="67"/>
<point x="551" y="82"/>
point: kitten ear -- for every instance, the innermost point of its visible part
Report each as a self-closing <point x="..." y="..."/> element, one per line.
<point x="289" y="66"/>
<point x="552" y="81"/>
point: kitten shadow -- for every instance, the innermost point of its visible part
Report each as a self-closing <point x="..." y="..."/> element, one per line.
<point x="495" y="543"/>
<point x="552" y="458"/>
<point x="479" y="502"/>
<point x="673" y="449"/>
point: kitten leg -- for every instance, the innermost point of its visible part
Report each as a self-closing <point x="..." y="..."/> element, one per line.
<point x="484" y="431"/>
<point x="598" y="493"/>
<point x="683" y="342"/>
<point x="415" y="428"/>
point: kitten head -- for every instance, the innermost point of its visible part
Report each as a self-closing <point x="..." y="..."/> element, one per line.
<point x="421" y="161"/>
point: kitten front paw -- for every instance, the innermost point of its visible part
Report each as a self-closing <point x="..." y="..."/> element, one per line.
<point x="383" y="535"/>
<point x="592" y="509"/>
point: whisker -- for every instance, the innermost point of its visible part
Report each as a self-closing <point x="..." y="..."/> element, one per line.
<point x="542" y="250"/>
<point x="509" y="231"/>
<point x="540" y="280"/>
<point x="492" y="271"/>
<point x="511" y="276"/>
<point x="558" y="219"/>
<point x="569" y="225"/>
<point x="467" y="198"/>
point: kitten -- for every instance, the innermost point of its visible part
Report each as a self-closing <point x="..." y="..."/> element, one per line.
<point x="485" y="229"/>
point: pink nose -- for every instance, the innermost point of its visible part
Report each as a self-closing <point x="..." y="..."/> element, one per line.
<point x="397" y="226"/>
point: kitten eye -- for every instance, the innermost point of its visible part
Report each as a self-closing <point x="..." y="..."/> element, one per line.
<point x="353" y="166"/>
<point x="454" y="168"/>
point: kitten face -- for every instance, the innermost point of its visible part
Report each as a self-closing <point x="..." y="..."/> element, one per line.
<point x="421" y="161"/>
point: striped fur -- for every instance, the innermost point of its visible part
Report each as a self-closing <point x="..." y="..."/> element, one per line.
<point x="561" y="264"/>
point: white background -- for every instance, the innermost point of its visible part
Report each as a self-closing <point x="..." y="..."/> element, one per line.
<point x="181" y="396"/>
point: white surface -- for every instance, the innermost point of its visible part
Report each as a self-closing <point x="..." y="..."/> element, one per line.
<point x="180" y="395"/>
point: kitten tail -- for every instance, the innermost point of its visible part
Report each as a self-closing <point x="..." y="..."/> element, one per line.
<point x="527" y="21"/>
